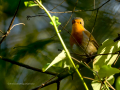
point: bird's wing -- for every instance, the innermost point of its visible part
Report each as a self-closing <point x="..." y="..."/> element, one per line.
<point x="92" y="39"/>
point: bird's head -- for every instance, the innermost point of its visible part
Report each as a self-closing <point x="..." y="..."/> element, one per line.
<point x="77" y="24"/>
<point x="78" y="20"/>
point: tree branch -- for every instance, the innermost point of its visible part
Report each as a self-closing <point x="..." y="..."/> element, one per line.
<point x="54" y="81"/>
<point x="8" y="31"/>
<point x="26" y="66"/>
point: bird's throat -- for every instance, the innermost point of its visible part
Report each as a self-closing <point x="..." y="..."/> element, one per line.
<point x="77" y="32"/>
<point x="77" y="28"/>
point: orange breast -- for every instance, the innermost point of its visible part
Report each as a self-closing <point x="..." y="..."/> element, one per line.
<point x="76" y="35"/>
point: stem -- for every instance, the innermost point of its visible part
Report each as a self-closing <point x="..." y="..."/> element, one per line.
<point x="61" y="40"/>
<point x="106" y="85"/>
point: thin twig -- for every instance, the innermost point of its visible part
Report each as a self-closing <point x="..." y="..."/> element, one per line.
<point x="87" y="65"/>
<point x="39" y="87"/>
<point x="49" y="82"/>
<point x="54" y="81"/>
<point x="88" y="78"/>
<point x="101" y="86"/>
<point x="110" y="85"/>
<point x="116" y="59"/>
<point x="28" y="17"/>
<point x="1" y="32"/>
<point x="16" y="25"/>
<point x="72" y="11"/>
<point x="58" y="5"/>
<point x="8" y="31"/>
<point x="26" y="66"/>
<point x="82" y="10"/>
<point x="71" y="14"/>
<point x="2" y="36"/>
<point x="107" y="53"/>
<point x="80" y="61"/>
<point x="117" y="52"/>
<point x="106" y="86"/>
<point x="44" y="12"/>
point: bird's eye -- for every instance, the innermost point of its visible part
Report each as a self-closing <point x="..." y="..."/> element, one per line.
<point x="73" y="22"/>
<point x="80" y="23"/>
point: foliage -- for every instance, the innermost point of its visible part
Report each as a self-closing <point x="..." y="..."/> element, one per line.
<point x="107" y="54"/>
<point x="60" y="61"/>
<point x="103" y="70"/>
<point x="30" y="4"/>
<point x="56" y="19"/>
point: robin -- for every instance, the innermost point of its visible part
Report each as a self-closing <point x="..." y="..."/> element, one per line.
<point x="82" y="38"/>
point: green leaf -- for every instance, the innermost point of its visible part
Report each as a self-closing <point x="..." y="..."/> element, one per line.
<point x="111" y="79"/>
<point x="56" y="19"/>
<point x="96" y="85"/>
<point x="60" y="61"/>
<point x="117" y="84"/>
<point x="108" y="46"/>
<point x="30" y="4"/>
<point x="43" y="69"/>
<point x="107" y="42"/>
<point x="118" y="45"/>
<point x="107" y="70"/>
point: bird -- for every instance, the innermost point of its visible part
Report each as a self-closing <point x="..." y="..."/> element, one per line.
<point x="82" y="39"/>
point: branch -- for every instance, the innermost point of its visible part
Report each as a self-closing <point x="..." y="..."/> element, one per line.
<point x="110" y="85"/>
<point x="1" y="32"/>
<point x="54" y="81"/>
<point x="16" y="25"/>
<point x="26" y="66"/>
<point x="82" y="10"/>
<point x="39" y="87"/>
<point x="72" y="11"/>
<point x="71" y="14"/>
<point x="8" y="31"/>
<point x="58" y="5"/>
<point x="44" y="12"/>
<point x="58" y="85"/>
<point x="116" y="59"/>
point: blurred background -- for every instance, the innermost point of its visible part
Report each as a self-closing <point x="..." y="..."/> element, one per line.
<point x="36" y="43"/>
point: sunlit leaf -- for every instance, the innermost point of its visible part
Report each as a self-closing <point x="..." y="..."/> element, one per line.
<point x="96" y="85"/>
<point x="43" y="69"/>
<point x="30" y="4"/>
<point x="111" y="79"/>
<point x="107" y="70"/>
<point x="107" y="42"/>
<point x="57" y="59"/>
<point x="118" y="44"/>
<point x="108" y="46"/>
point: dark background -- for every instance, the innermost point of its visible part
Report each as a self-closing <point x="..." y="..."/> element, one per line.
<point x="36" y="43"/>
